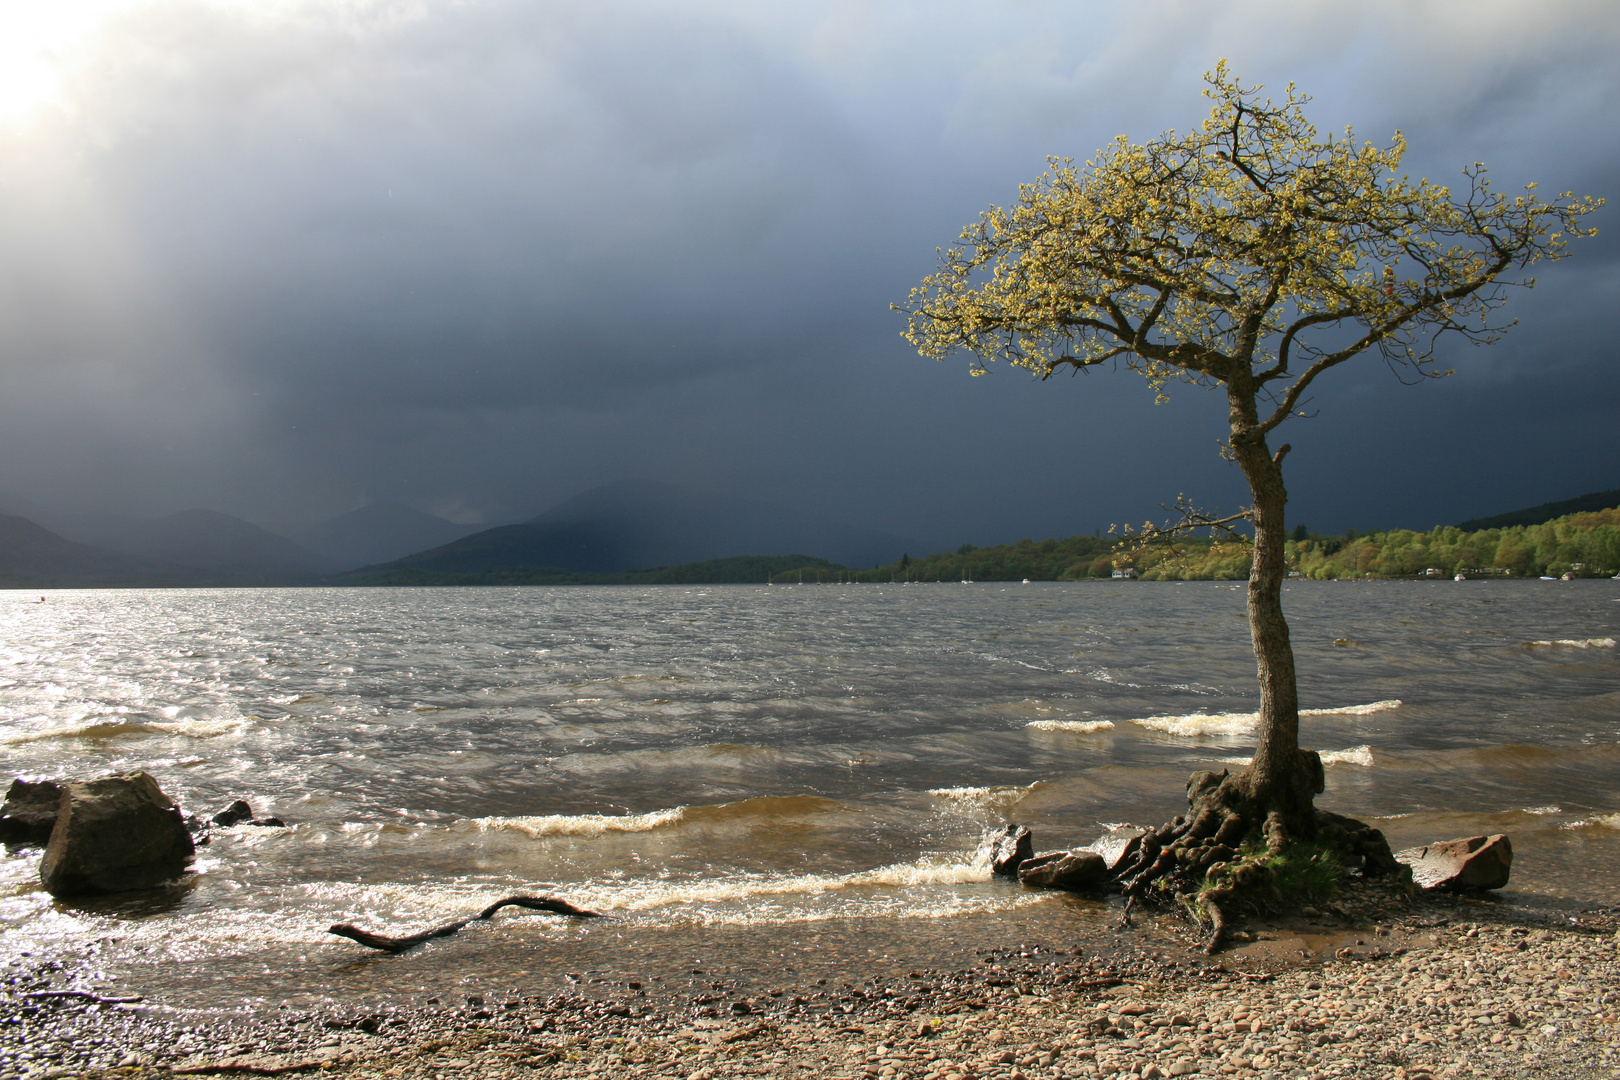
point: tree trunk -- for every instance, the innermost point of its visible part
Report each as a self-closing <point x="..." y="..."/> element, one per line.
<point x="1282" y="780"/>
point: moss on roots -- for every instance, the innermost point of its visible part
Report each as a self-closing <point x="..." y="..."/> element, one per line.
<point x="1308" y="872"/>
<point x="1228" y="855"/>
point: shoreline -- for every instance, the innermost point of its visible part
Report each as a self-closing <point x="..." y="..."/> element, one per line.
<point x="1379" y="985"/>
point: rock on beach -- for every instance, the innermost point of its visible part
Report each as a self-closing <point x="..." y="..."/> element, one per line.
<point x="114" y="834"/>
<point x="1009" y="848"/>
<point x="1475" y="862"/>
<point x="29" y="813"/>
<point x="1073" y="870"/>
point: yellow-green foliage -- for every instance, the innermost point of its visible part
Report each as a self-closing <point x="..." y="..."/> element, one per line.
<point x="1251" y="250"/>
<point x="1587" y="545"/>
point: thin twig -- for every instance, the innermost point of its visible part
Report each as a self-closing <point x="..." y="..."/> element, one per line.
<point x="86" y="995"/>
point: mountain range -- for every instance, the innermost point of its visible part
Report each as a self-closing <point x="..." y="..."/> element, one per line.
<point x="648" y="531"/>
<point x="634" y="525"/>
<point x="638" y="525"/>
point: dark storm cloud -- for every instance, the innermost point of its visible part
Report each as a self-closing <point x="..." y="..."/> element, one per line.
<point x="278" y="259"/>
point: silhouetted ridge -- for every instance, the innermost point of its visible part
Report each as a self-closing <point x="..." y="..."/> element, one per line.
<point x="33" y="557"/>
<point x="1598" y="500"/>
<point x="638" y="524"/>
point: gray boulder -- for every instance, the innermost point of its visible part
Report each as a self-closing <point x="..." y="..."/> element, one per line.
<point x="1073" y="870"/>
<point x="112" y="835"/>
<point x="1474" y="862"/>
<point x="29" y="813"/>
<point x="1008" y="849"/>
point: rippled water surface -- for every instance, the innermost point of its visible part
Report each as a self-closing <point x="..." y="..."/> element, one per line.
<point x="761" y="772"/>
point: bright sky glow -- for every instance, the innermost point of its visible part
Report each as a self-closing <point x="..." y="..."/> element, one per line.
<point x="278" y="257"/>
<point x="36" y="38"/>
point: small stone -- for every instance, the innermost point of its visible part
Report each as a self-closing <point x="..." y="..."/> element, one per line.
<point x="234" y="814"/>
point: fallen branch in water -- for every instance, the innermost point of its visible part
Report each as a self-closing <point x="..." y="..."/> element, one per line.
<point x="85" y="994"/>
<point x="400" y="944"/>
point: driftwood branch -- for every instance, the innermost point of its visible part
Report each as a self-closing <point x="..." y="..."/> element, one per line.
<point x="400" y="944"/>
<point x="85" y="994"/>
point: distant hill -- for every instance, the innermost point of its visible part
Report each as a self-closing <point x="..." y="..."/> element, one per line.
<point x="1598" y="500"/>
<point x="741" y="570"/>
<point x="33" y="557"/>
<point x="378" y="533"/>
<point x="1071" y="558"/>
<point x="224" y="550"/>
<point x="639" y="524"/>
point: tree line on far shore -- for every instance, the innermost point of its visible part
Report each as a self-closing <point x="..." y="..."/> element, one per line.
<point x="1585" y="544"/>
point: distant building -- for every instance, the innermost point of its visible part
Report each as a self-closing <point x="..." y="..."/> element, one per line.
<point x="1127" y="574"/>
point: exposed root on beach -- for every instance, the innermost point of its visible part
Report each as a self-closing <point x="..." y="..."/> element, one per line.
<point x="1232" y="852"/>
<point x="400" y="944"/>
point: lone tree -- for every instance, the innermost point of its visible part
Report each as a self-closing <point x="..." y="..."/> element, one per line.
<point x="1254" y="256"/>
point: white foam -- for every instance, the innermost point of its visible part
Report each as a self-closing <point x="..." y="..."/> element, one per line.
<point x="742" y="812"/>
<point x="1201" y="723"/>
<point x="654" y="895"/>
<point x="1543" y="810"/>
<point x="1576" y="643"/>
<point x="1001" y="799"/>
<point x="1355" y="710"/>
<point x="1081" y="726"/>
<point x="581" y="824"/>
<point x="1354" y="755"/>
<point x="1243" y="723"/>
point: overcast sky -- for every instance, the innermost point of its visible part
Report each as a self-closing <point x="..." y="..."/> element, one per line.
<point x="280" y="259"/>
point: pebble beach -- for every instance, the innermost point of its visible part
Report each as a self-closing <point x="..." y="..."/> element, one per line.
<point x="1381" y="985"/>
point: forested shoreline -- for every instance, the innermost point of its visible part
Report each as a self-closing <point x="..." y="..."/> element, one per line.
<point x="1584" y="544"/>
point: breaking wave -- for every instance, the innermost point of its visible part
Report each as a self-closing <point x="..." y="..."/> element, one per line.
<point x="1243" y="723"/>
<point x="1081" y="726"/>
<point x="771" y="899"/>
<point x="1354" y="755"/>
<point x="1574" y="643"/>
<point x="763" y="808"/>
<point x="1597" y="821"/>
<point x="1000" y="799"/>
<point x="1355" y="710"/>
<point x="112" y="729"/>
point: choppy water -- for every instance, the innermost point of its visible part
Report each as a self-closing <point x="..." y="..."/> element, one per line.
<point x="777" y="776"/>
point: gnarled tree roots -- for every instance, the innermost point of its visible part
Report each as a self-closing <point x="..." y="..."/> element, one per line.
<point x="1234" y="850"/>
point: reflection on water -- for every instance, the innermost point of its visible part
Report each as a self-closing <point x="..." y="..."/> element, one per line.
<point x="763" y="765"/>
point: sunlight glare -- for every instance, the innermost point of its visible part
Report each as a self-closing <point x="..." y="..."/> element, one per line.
<point x="36" y="39"/>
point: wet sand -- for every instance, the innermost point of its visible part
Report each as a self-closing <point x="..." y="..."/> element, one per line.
<point x="1379" y="985"/>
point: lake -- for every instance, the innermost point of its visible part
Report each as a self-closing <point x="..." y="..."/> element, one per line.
<point x="782" y="778"/>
